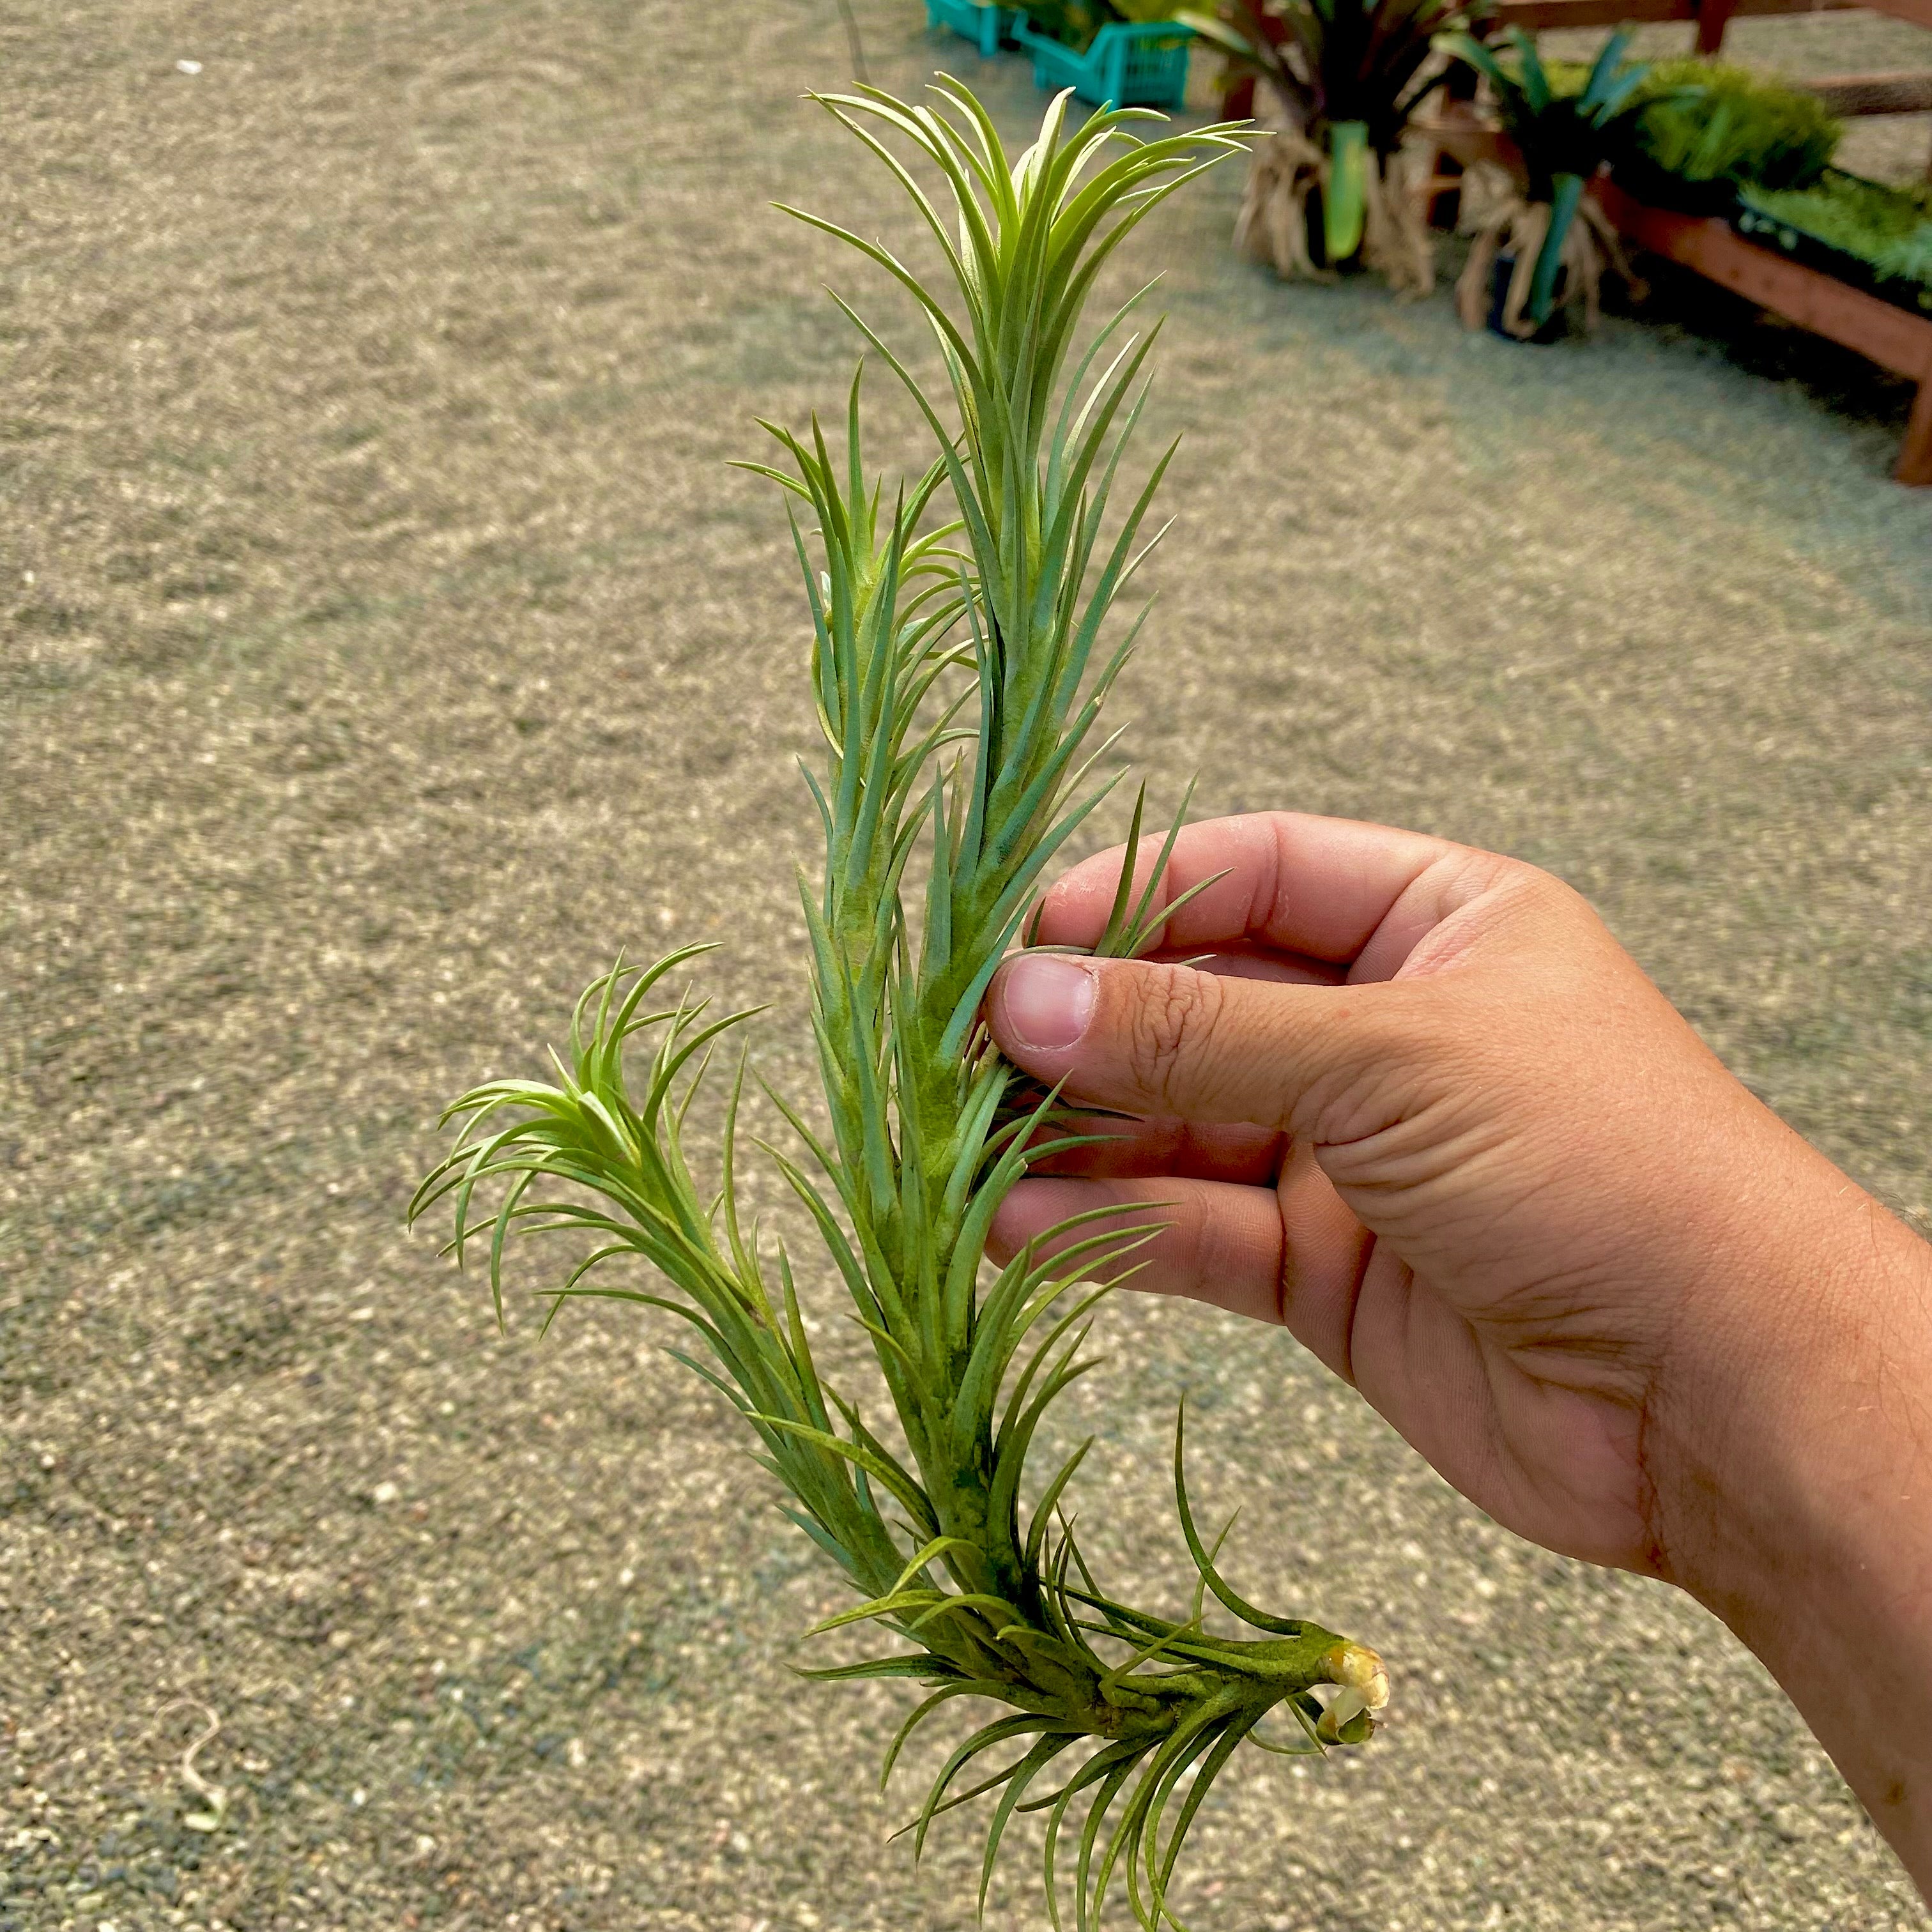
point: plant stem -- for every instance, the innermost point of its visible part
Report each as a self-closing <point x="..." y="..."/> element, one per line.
<point x="1345" y="203"/>
<point x="1566" y="194"/>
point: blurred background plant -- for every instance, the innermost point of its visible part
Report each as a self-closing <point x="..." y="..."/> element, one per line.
<point x="1337" y="81"/>
<point x="1885" y="230"/>
<point x="1554" y="242"/>
<point x="1699" y="128"/>
<point x="1076" y="22"/>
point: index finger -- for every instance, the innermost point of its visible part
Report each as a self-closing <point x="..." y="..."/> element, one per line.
<point x="1337" y="889"/>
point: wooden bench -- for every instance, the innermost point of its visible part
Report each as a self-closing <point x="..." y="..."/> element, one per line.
<point x="1712" y="16"/>
<point x="1845" y="94"/>
<point x="1893" y="337"/>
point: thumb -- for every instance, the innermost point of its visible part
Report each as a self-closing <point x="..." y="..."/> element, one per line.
<point x="1152" y="1039"/>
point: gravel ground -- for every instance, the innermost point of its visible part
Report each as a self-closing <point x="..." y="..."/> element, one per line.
<point x="386" y="643"/>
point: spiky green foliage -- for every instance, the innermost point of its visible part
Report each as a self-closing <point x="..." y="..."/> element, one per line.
<point x="960" y="652"/>
<point x="1710" y="120"/>
<point x="1558" y="130"/>
<point x="1335" y="62"/>
<point x="1564" y="136"/>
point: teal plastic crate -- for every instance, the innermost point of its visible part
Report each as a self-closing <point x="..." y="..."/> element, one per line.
<point x="1131" y="64"/>
<point x="989" y="29"/>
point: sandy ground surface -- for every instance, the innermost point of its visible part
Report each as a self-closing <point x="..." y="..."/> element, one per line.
<point x="386" y="643"/>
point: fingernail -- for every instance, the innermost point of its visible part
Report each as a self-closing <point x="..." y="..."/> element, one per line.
<point x="1046" y="1002"/>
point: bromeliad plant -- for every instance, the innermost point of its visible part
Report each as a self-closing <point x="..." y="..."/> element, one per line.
<point x="1560" y="242"/>
<point x="958" y="664"/>
<point x="1340" y="78"/>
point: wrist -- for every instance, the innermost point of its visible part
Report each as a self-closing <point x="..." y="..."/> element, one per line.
<point x="1793" y="1492"/>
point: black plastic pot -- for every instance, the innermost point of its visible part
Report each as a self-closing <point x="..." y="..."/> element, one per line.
<point x="1554" y="330"/>
<point x="1317" y="228"/>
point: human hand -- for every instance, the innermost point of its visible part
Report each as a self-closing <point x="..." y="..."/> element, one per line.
<point x="1420" y="1106"/>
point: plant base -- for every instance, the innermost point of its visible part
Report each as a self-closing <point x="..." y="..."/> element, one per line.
<point x="1555" y="329"/>
<point x="1282" y="221"/>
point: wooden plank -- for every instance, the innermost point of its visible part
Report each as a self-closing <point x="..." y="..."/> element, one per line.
<point x="1807" y="296"/>
<point x="1536" y="17"/>
<point x="1893" y="93"/>
<point x="1465" y="138"/>
<point x="1713" y="17"/>
<point x="1918" y="12"/>
<point x="1915" y="458"/>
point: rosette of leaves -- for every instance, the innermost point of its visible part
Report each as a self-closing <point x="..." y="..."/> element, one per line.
<point x="961" y="649"/>
<point x="1343" y="76"/>
<point x="1564" y="136"/>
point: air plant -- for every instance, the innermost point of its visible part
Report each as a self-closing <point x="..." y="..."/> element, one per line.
<point x="1563" y="137"/>
<point x="1342" y="78"/>
<point x="960" y="656"/>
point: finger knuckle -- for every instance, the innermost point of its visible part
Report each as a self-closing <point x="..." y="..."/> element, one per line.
<point x="1168" y="1027"/>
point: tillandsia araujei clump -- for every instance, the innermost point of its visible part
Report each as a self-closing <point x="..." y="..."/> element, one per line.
<point x="960" y="655"/>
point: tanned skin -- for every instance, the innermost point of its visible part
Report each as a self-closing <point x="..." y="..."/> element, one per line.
<point x="1418" y="1105"/>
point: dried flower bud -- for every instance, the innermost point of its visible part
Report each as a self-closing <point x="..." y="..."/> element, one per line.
<point x="1358" y="1668"/>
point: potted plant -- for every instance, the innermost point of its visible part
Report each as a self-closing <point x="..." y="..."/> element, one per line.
<point x="1541" y="245"/>
<point x="1121" y="53"/>
<point x="1337" y="80"/>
